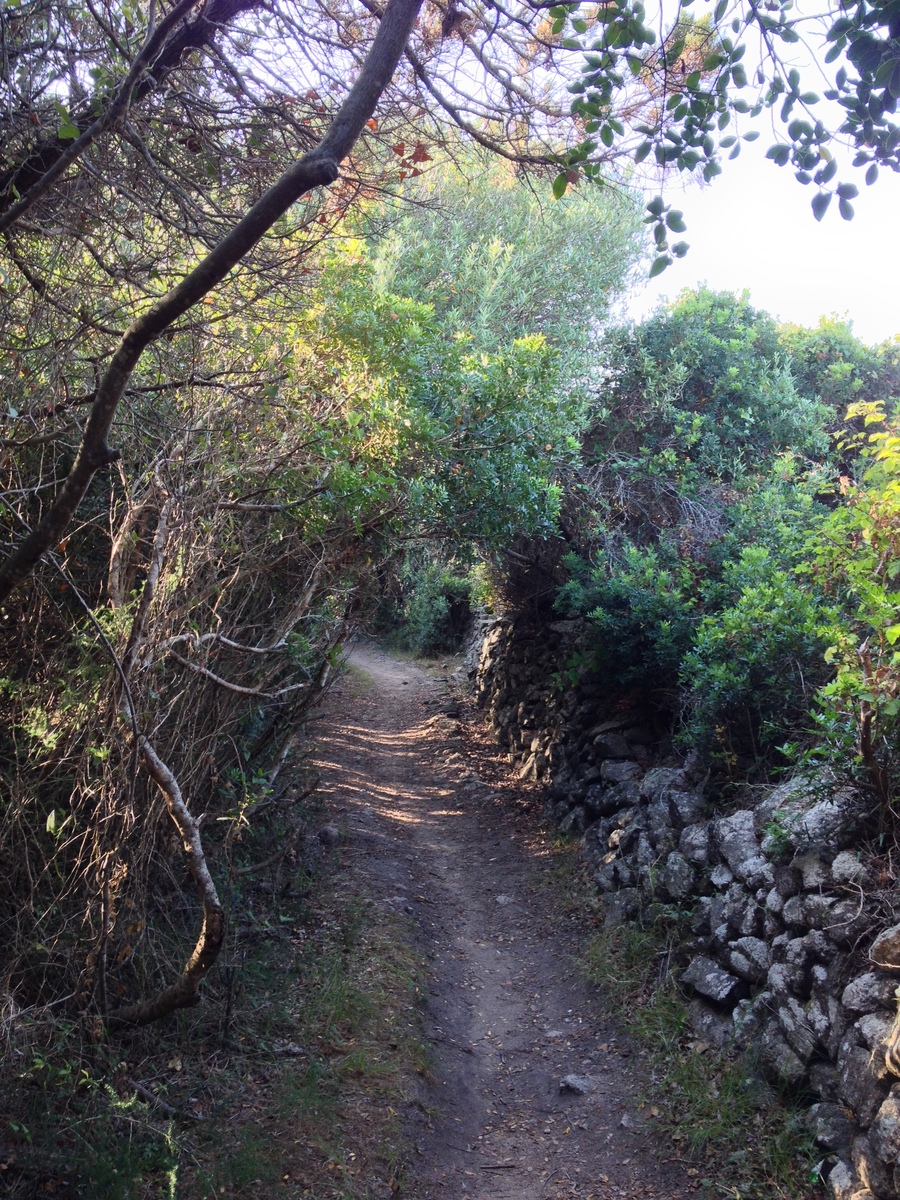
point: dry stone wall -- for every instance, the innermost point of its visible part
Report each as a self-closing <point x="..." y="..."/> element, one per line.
<point x="794" y="918"/>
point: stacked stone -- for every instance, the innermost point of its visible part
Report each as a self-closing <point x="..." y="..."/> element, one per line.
<point x="793" y="947"/>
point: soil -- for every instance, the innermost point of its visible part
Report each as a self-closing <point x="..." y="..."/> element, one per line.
<point x="533" y="1093"/>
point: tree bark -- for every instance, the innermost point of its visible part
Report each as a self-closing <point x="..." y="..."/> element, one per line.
<point x="315" y="169"/>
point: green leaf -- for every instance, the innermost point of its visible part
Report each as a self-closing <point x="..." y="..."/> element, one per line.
<point x="659" y="265"/>
<point x="642" y="151"/>
<point x="845" y="208"/>
<point x="820" y="204"/>
<point x="67" y="130"/>
<point x="780" y="154"/>
<point x="872" y="174"/>
<point x="680" y="249"/>
<point x="847" y="191"/>
<point x="675" y="221"/>
<point x="720" y="10"/>
<point x="560" y="183"/>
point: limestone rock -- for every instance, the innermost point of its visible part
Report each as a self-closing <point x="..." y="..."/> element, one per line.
<point x="842" y="1182"/>
<point x="777" y="1057"/>
<point x="711" y="1026"/>
<point x="863" y="1083"/>
<point x="808" y="813"/>
<point x="694" y="843"/>
<point x="884" y="1133"/>
<point x="662" y="777"/>
<point x="796" y="1028"/>
<point x="832" y="1126"/>
<point x="756" y="872"/>
<point x="736" y="838"/>
<point x="329" y="835"/>
<point x="686" y="807"/>
<point x="873" y="1173"/>
<point x="873" y="1029"/>
<point x="578" y="1085"/>
<point x="849" y="921"/>
<point x="815" y="873"/>
<point x="810" y="909"/>
<point x="612" y="745"/>
<point x="616" y="771"/>
<point x="721" y="876"/>
<point x="885" y="951"/>
<point x="847" y="869"/>
<point x="750" y="958"/>
<point x="678" y="876"/>
<point x="869" y="992"/>
<point x="710" y="980"/>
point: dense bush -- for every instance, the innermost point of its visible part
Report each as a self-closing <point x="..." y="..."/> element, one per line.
<point x="717" y="559"/>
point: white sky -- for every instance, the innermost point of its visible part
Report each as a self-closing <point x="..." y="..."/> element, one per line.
<point x="753" y="229"/>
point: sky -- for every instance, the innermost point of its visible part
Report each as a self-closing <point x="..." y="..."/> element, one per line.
<point x="752" y="228"/>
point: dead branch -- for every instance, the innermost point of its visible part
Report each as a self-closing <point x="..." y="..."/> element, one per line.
<point x="186" y="990"/>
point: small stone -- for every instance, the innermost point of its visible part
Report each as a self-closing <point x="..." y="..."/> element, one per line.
<point x="796" y="1028"/>
<point x="612" y="745"/>
<point x="756" y="954"/>
<point x="329" y="835"/>
<point x="873" y="1173"/>
<point x="712" y="1027"/>
<point x="812" y="910"/>
<point x="662" y="777"/>
<point x="756" y="872"/>
<point x="863" y="1083"/>
<point x="578" y="1085"/>
<point x="677" y="876"/>
<point x="842" y="1182"/>
<point x="778" y="1057"/>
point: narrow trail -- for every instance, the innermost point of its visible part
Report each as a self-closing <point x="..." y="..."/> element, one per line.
<point x="445" y="835"/>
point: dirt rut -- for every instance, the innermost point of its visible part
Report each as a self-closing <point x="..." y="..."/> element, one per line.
<point x="534" y="1095"/>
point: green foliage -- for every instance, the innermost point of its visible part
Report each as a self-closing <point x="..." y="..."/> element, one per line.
<point x="703" y="391"/>
<point x="856" y="556"/>
<point x="435" y="608"/>
<point x="830" y="363"/>
<point x="492" y="256"/>
<point x="753" y="659"/>
<point x="708" y="476"/>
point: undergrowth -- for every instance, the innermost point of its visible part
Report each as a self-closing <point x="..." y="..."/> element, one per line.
<point x="744" y="1140"/>
<point x="291" y="1079"/>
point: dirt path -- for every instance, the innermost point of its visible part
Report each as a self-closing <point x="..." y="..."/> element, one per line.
<point x="437" y="828"/>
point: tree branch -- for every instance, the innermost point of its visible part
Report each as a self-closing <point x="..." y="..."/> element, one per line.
<point x="315" y="169"/>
